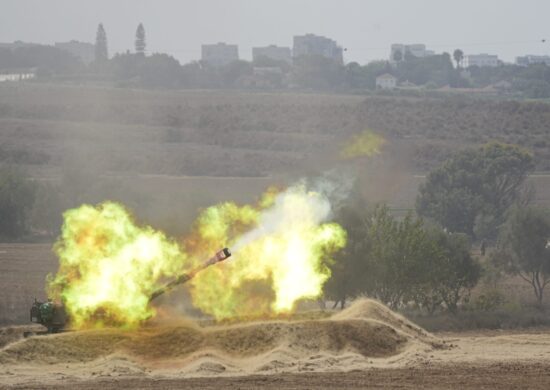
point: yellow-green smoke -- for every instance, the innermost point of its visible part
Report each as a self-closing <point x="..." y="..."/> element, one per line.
<point x="109" y="265"/>
<point x="278" y="262"/>
<point x="366" y="144"/>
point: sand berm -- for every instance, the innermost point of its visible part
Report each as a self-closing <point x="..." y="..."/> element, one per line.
<point x="364" y="335"/>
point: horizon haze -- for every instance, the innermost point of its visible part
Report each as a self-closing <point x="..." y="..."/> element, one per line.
<point x="366" y="28"/>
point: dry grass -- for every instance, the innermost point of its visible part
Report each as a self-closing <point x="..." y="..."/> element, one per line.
<point x="217" y="133"/>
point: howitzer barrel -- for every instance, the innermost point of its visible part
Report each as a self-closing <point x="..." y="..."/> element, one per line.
<point x="220" y="256"/>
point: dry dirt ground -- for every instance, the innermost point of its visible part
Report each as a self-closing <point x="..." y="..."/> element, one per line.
<point x="365" y="346"/>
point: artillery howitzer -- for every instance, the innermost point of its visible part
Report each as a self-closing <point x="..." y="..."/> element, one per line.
<point x="54" y="317"/>
<point x="220" y="256"/>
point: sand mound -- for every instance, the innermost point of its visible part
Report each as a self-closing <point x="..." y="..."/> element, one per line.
<point x="302" y="338"/>
<point x="374" y="311"/>
<point x="11" y="334"/>
<point x="365" y="330"/>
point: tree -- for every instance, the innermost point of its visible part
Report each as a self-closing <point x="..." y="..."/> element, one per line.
<point x="317" y="72"/>
<point x="437" y="69"/>
<point x="523" y="248"/>
<point x="232" y="72"/>
<point x="450" y="274"/>
<point x="400" y="260"/>
<point x="47" y="210"/>
<point x="475" y="187"/>
<point x="458" y="56"/>
<point x="398" y="56"/>
<point x="349" y="268"/>
<point x="140" y="40"/>
<point x="398" y="252"/>
<point x="16" y="201"/>
<point x="101" y="51"/>
<point x="48" y="59"/>
<point x="159" y="71"/>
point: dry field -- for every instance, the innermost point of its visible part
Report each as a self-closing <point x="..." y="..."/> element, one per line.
<point x="23" y="270"/>
<point x="167" y="154"/>
<point x="213" y="133"/>
<point x="366" y="345"/>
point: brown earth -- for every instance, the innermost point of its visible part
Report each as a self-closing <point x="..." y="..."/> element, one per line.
<point x="165" y="154"/>
<point x="458" y="376"/>
<point x="144" y="143"/>
<point x="365" y="345"/>
<point x="213" y="133"/>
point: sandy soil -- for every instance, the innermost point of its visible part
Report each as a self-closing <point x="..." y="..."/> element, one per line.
<point x="365" y="345"/>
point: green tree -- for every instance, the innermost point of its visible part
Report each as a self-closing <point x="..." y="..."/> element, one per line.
<point x="458" y="56"/>
<point x="523" y="248"/>
<point x="16" y="200"/>
<point x="159" y="71"/>
<point x="401" y="261"/>
<point x="437" y="69"/>
<point x="140" y="40"/>
<point x="349" y="268"/>
<point x="231" y="73"/>
<point x="398" y="249"/>
<point x="475" y="185"/>
<point x="101" y="51"/>
<point x="451" y="274"/>
<point x="386" y="258"/>
<point x="317" y="72"/>
<point x="47" y="210"/>
<point x="48" y="60"/>
<point x="398" y="56"/>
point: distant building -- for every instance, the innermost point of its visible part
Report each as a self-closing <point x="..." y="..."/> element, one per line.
<point x="386" y="81"/>
<point x="17" y="74"/>
<point x="532" y="59"/>
<point x="272" y="52"/>
<point x="481" y="60"/>
<point x="17" y="45"/>
<point x="220" y="54"/>
<point x="83" y="50"/>
<point x="408" y="85"/>
<point x="310" y="44"/>
<point x="418" y="50"/>
<point x="265" y="71"/>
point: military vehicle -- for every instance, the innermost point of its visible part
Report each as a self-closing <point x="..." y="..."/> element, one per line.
<point x="54" y="317"/>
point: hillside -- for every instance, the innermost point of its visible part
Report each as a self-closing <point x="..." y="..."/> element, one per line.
<point x="213" y="133"/>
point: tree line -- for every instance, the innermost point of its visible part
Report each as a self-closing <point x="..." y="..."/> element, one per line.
<point x="160" y="70"/>
<point x="477" y="196"/>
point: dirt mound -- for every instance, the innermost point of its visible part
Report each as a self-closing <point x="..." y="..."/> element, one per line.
<point x="371" y="310"/>
<point x="11" y="334"/>
<point x="302" y="338"/>
<point x="350" y="338"/>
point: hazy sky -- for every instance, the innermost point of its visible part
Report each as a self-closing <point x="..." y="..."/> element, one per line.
<point x="365" y="27"/>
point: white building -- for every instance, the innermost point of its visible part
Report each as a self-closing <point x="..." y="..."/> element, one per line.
<point x="418" y="50"/>
<point x="17" y="74"/>
<point x="309" y="44"/>
<point x="272" y="52"/>
<point x="83" y="50"/>
<point x="386" y="81"/>
<point x="220" y="54"/>
<point x="481" y="60"/>
<point x="532" y="59"/>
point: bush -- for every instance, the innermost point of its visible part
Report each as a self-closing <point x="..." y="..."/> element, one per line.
<point x="17" y="194"/>
<point x="489" y="300"/>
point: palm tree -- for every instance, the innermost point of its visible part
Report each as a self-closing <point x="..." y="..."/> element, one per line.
<point x="458" y="56"/>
